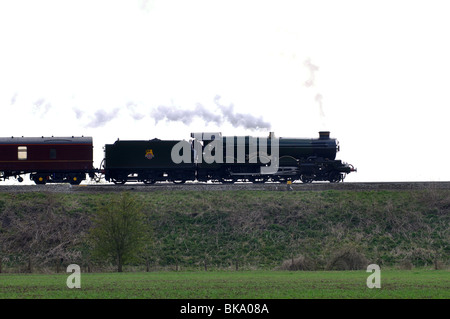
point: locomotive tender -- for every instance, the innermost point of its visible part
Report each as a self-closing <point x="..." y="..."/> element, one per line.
<point x="206" y="157"/>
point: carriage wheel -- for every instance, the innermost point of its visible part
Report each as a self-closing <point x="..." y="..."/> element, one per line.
<point x="40" y="179"/>
<point x="75" y="180"/>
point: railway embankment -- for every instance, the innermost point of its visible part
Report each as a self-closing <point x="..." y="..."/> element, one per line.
<point x="200" y="228"/>
<point x="104" y="187"/>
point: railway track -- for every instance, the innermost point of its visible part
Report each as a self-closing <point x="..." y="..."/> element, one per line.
<point x="63" y="188"/>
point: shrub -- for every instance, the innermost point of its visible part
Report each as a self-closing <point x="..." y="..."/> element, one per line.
<point x="406" y="264"/>
<point x="347" y="258"/>
<point x="299" y="263"/>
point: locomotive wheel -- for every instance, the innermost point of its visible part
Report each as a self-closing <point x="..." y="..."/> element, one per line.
<point x="149" y="181"/>
<point x="306" y="179"/>
<point x="227" y="180"/>
<point x="182" y="181"/>
<point x="120" y="179"/>
<point x="256" y="180"/>
<point x="334" y="177"/>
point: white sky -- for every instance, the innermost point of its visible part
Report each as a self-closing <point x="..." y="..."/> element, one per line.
<point x="374" y="73"/>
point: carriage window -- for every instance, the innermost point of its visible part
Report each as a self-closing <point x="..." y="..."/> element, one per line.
<point x="22" y="153"/>
<point x="52" y="153"/>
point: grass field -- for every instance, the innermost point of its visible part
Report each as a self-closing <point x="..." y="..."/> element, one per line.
<point x="404" y="284"/>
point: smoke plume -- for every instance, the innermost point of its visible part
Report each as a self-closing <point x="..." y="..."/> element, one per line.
<point x="247" y="121"/>
<point x="78" y="113"/>
<point x="312" y="68"/>
<point x="131" y="106"/>
<point x="101" y="117"/>
<point x="319" y="101"/>
<point x="14" y="99"/>
<point x="41" y="107"/>
<point x="221" y="115"/>
<point x="311" y="82"/>
<point x="217" y="115"/>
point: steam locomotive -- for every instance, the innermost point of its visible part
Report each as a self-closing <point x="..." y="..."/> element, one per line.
<point x="205" y="157"/>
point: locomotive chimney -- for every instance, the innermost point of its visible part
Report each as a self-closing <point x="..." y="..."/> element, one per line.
<point x="324" y="135"/>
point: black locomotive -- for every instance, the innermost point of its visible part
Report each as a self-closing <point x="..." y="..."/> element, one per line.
<point x="212" y="157"/>
<point x="206" y="157"/>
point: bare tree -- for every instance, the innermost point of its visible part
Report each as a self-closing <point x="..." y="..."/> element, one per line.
<point x="119" y="230"/>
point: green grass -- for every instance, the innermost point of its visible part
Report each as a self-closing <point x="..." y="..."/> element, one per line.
<point x="415" y="284"/>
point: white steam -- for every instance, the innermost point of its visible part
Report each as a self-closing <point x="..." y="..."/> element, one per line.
<point x="222" y="114"/>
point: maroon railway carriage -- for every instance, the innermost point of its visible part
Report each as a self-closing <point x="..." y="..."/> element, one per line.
<point x="47" y="159"/>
